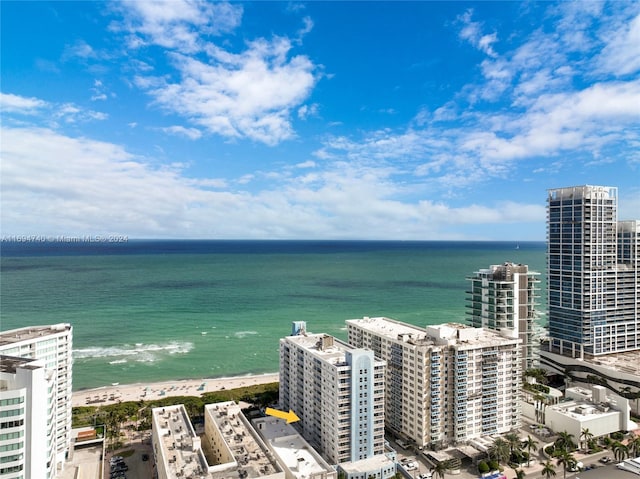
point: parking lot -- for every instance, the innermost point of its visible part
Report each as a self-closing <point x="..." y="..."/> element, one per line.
<point x="136" y="460"/>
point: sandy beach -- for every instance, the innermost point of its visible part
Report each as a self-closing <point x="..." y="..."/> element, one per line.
<point x="147" y="391"/>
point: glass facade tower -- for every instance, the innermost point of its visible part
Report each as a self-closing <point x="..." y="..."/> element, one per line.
<point x="593" y="281"/>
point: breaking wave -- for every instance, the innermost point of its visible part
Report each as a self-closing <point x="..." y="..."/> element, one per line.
<point x="144" y="353"/>
<point x="244" y="334"/>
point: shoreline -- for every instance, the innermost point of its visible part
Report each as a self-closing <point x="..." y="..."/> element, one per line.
<point x="115" y="392"/>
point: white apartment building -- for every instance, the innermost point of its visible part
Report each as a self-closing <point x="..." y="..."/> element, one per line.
<point x="25" y="428"/>
<point x="503" y="298"/>
<point x="52" y="345"/>
<point x="445" y="384"/>
<point x="337" y="391"/>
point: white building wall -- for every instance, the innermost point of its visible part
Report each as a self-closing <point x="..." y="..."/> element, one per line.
<point x="317" y="383"/>
<point x="53" y="345"/>
<point x="23" y="416"/>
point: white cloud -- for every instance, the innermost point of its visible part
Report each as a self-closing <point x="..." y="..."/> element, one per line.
<point x="177" y="24"/>
<point x="46" y="111"/>
<point x="238" y="95"/>
<point x="306" y="111"/>
<point x="80" y="49"/>
<point x="10" y="103"/>
<point x="84" y="186"/>
<point x="621" y="56"/>
<point x="191" y="133"/>
<point x="472" y="32"/>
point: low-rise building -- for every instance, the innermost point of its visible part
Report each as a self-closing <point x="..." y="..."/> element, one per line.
<point x="228" y="449"/>
<point x="594" y="409"/>
<point x="376" y="466"/>
<point x="299" y="459"/>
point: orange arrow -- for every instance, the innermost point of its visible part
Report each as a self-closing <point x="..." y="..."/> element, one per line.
<point x="288" y="416"/>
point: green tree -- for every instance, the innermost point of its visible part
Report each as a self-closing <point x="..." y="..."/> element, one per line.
<point x="440" y="469"/>
<point x="548" y="470"/>
<point x="530" y="444"/>
<point x="585" y="437"/>
<point x="634" y="446"/>
<point x="520" y="474"/>
<point x="513" y="440"/>
<point x="500" y="450"/>
<point x="565" y="441"/>
<point x="483" y="467"/>
<point x="565" y="459"/>
<point x="620" y="451"/>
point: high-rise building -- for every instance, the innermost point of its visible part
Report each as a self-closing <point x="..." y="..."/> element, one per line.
<point x="503" y="298"/>
<point x="444" y="384"/>
<point x="593" y="275"/>
<point x="52" y="346"/>
<point x="25" y="398"/>
<point x="337" y="391"/>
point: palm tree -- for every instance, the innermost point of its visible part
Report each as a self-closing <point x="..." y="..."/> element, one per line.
<point x="634" y="446"/>
<point x="548" y="470"/>
<point x="565" y="459"/>
<point x="520" y="474"/>
<point x="620" y="451"/>
<point x="564" y="441"/>
<point x="513" y="440"/>
<point x="439" y="470"/>
<point x="586" y="435"/>
<point x="500" y="450"/>
<point x="530" y="443"/>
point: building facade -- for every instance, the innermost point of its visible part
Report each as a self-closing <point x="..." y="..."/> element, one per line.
<point x="593" y="281"/>
<point x="26" y="430"/>
<point x="52" y="346"/>
<point x="447" y="383"/>
<point x="503" y="298"/>
<point x="337" y="391"/>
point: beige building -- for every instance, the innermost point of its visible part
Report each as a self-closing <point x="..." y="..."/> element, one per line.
<point x="447" y="383"/>
<point x="228" y="449"/>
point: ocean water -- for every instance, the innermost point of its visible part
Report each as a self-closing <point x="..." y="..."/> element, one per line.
<point x="163" y="310"/>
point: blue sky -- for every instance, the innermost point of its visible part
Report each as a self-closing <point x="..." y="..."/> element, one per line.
<point x="318" y="120"/>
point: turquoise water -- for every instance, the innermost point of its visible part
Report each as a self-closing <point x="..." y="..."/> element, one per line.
<point x="150" y="311"/>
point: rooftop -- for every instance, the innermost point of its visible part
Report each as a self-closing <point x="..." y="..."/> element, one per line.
<point x="433" y="335"/>
<point x="13" y="336"/>
<point x="292" y="450"/>
<point x="181" y="451"/>
<point x="9" y="364"/>
<point x="378" y="461"/>
<point x="323" y="346"/>
<point x="627" y="362"/>
<point x="251" y="458"/>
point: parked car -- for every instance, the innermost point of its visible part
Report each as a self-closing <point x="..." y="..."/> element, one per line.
<point x="411" y="466"/>
<point x="605" y="460"/>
